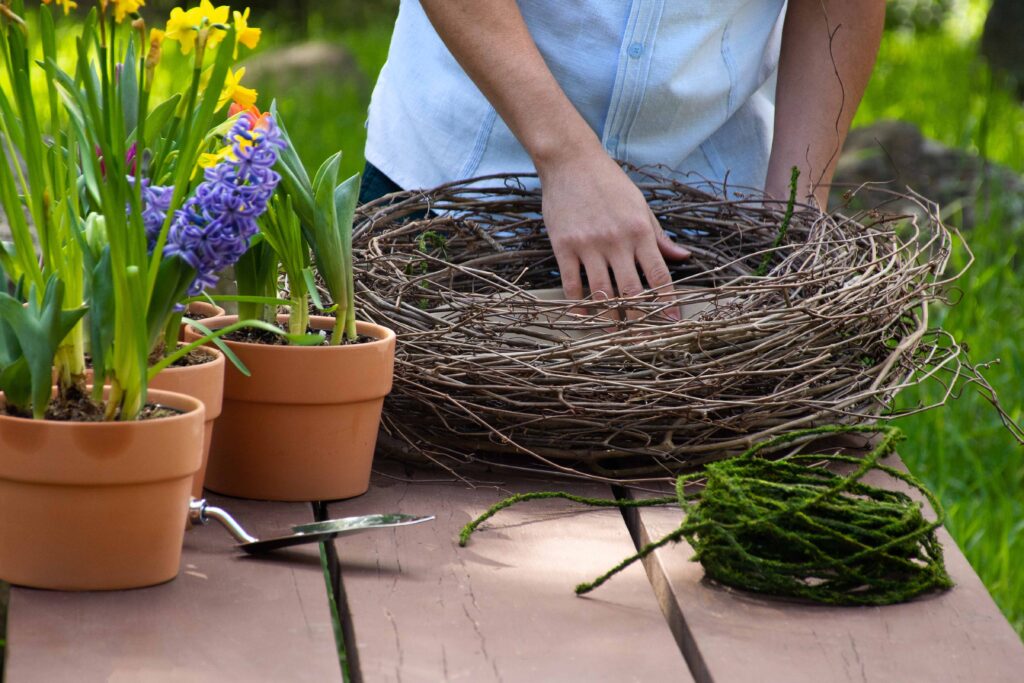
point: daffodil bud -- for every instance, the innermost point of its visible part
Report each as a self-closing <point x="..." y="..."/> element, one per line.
<point x="156" y="42"/>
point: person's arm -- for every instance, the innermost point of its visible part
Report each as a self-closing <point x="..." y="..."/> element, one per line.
<point x="596" y="217"/>
<point x="809" y="98"/>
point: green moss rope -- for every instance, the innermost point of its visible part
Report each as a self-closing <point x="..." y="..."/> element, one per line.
<point x="787" y="218"/>
<point x="795" y="528"/>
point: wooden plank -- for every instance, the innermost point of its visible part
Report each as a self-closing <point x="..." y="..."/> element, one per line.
<point x="503" y="608"/>
<point x="226" y="617"/>
<point x="733" y="635"/>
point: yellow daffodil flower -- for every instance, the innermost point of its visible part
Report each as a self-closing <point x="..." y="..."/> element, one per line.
<point x="245" y="34"/>
<point x="184" y="25"/>
<point x="236" y="92"/>
<point x="210" y="159"/>
<point x="227" y="153"/>
<point x="123" y="8"/>
<point x="182" y="28"/>
<point x="68" y="5"/>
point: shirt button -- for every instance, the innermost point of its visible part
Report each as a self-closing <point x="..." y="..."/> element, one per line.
<point x="635" y="50"/>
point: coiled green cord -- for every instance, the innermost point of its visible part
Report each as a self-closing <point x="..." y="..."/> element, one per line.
<point x="791" y="527"/>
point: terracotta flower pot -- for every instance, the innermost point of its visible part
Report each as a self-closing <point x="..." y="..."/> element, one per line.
<point x="100" y="505"/>
<point x="200" y="310"/>
<point x="205" y="382"/>
<point x="304" y="425"/>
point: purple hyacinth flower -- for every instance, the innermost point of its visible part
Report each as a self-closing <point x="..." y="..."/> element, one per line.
<point x="213" y="229"/>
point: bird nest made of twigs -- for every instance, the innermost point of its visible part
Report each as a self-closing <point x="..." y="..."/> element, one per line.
<point x="822" y="321"/>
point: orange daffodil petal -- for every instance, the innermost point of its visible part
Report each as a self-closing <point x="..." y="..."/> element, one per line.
<point x="68" y="5"/>
<point x="245" y="34"/>
<point x="237" y="109"/>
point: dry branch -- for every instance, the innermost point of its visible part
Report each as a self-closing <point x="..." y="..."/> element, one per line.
<point x="487" y="364"/>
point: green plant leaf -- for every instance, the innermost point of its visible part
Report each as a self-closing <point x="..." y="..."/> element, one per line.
<point x="101" y="313"/>
<point x="256" y="275"/>
<point x="128" y="87"/>
<point x="294" y="178"/>
<point x="280" y="227"/>
<point x="16" y="383"/>
<point x="312" y="289"/>
<point x="15" y="378"/>
<point x="172" y="283"/>
<point x="215" y="335"/>
<point x="39" y="329"/>
<point x="158" y="119"/>
<point x="327" y="244"/>
<point x="216" y="341"/>
<point x="238" y="298"/>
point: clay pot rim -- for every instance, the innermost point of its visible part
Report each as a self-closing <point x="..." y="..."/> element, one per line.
<point x="293" y="348"/>
<point x="214" y="306"/>
<point x="155" y="396"/>
<point x="218" y="357"/>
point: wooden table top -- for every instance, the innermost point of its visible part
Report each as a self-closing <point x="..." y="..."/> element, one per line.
<point x="227" y="617"/>
<point x="416" y="607"/>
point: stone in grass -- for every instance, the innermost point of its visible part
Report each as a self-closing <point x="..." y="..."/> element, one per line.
<point x="896" y="154"/>
<point x="296" y="66"/>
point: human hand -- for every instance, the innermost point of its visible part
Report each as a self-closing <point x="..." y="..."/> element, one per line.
<point x="597" y="218"/>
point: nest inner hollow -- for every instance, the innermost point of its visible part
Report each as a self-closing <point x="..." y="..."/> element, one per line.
<point x="493" y="360"/>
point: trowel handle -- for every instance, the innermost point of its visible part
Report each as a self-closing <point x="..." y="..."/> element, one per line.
<point x="199" y="513"/>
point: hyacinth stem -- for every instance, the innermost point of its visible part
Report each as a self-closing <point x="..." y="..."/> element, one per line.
<point x="298" y="318"/>
<point x="350" y="323"/>
<point x="171" y="331"/>
<point x="70" y="362"/>
<point x="339" y="330"/>
<point x="113" y="401"/>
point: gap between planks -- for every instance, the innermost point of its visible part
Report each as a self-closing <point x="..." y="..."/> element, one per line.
<point x="344" y="631"/>
<point x="958" y="635"/>
<point x="663" y="592"/>
<point x="418" y="608"/>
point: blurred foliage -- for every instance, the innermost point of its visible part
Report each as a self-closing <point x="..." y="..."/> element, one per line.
<point x="962" y="451"/>
<point x="965" y="108"/>
<point x="326" y="108"/>
<point x="917" y="15"/>
<point x="296" y="19"/>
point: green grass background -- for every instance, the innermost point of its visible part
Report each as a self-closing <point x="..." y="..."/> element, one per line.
<point x="962" y="451"/>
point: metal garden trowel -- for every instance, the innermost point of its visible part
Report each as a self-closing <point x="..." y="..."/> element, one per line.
<point x="199" y="513"/>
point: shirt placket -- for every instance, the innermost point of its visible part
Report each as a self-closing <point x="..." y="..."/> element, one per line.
<point x="631" y="77"/>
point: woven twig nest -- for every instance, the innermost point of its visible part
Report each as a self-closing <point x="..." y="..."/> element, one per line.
<point x="491" y="360"/>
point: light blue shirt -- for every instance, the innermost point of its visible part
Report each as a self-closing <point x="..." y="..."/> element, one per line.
<point x="684" y="83"/>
